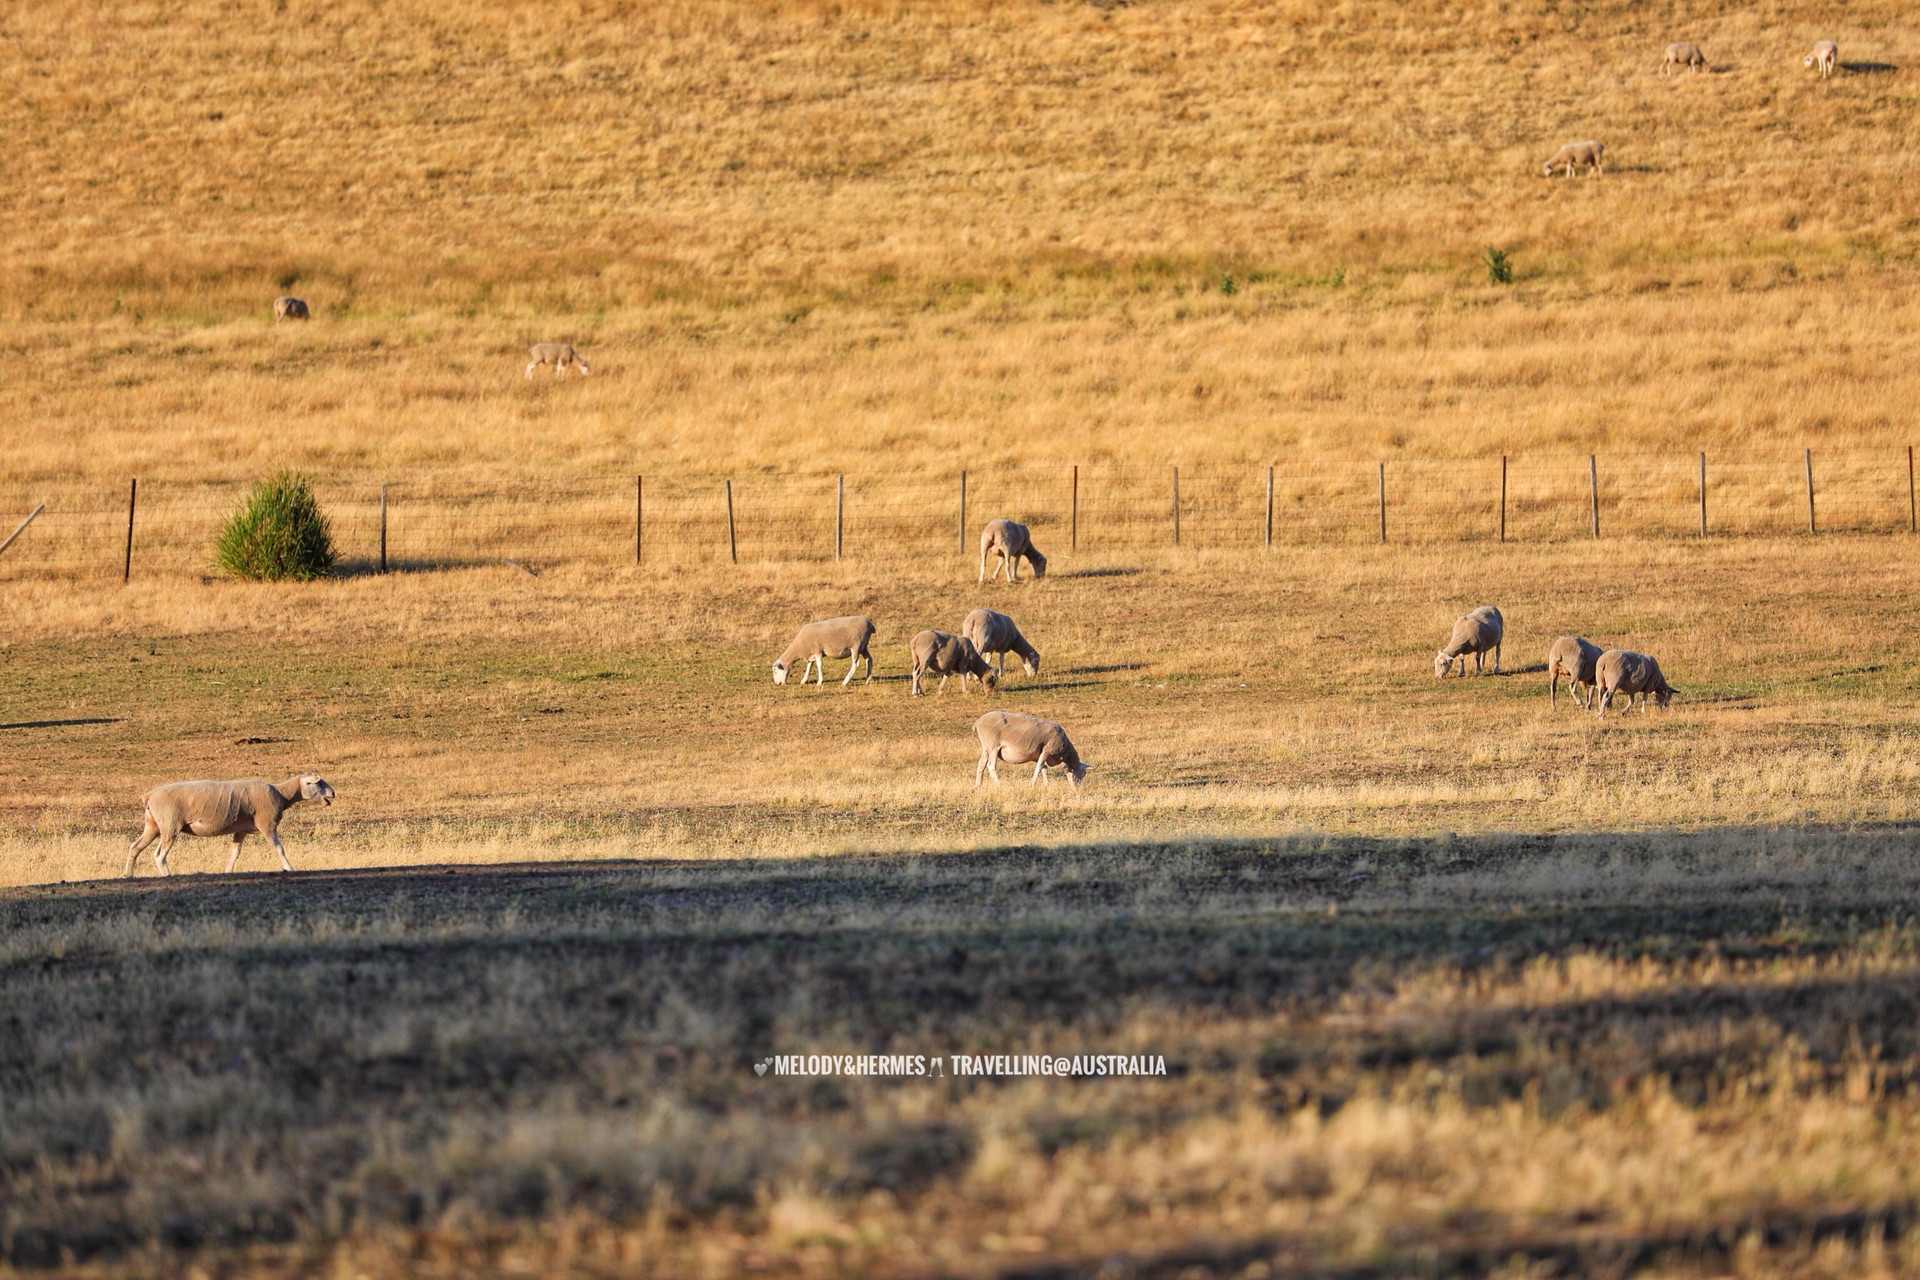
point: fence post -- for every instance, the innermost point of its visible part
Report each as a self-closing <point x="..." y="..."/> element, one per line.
<point x="1269" y="506"/>
<point x="963" y="515"/>
<point x="1503" y="497"/>
<point x="1593" y="490"/>
<point x="1703" y="493"/>
<point x="133" y="492"/>
<point x="1811" y="526"/>
<point x="1383" y="502"/>
<point x="1913" y="524"/>
<point x="639" y="518"/>
<point x="1075" y="543"/>
<point x="839" y="515"/>
<point x="1176" y="506"/>
<point x="22" y="526"/>
<point x="733" y="547"/>
<point x="383" y="528"/>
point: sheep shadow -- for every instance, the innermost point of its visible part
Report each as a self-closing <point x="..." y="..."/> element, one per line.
<point x="1100" y="573"/>
<point x="362" y="567"/>
<point x="1106" y="670"/>
<point x="1868" y="68"/>
<point x="60" y="724"/>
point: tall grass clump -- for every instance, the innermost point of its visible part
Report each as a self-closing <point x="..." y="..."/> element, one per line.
<point x="280" y="534"/>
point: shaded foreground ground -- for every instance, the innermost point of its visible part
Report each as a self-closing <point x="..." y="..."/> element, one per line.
<point x="1663" y="1053"/>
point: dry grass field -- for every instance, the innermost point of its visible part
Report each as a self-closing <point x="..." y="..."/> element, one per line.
<point x="1448" y="982"/>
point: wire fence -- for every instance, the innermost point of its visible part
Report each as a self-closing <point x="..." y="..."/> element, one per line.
<point x="162" y="527"/>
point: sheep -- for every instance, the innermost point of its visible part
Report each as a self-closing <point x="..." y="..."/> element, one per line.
<point x="832" y="638"/>
<point x="1577" y="153"/>
<point x="238" y="809"/>
<point x="945" y="654"/>
<point x="289" y="309"/>
<point x="1681" y="54"/>
<point x="1009" y="542"/>
<point x="1624" y="671"/>
<point x="1572" y="657"/>
<point x="1825" y="55"/>
<point x="1475" y="633"/>
<point x="557" y="354"/>
<point x="995" y="633"/>
<point x="1017" y="739"/>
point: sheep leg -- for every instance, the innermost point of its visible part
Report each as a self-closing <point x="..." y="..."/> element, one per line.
<point x="160" y="852"/>
<point x="531" y="368"/>
<point x="980" y="768"/>
<point x="1496" y="659"/>
<point x="147" y="836"/>
<point x="280" y="849"/>
<point x="869" y="657"/>
<point x="1039" y="771"/>
<point x="915" y="681"/>
<point x="234" y="859"/>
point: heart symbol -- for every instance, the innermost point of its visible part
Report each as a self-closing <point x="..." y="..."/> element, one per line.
<point x="759" y="1068"/>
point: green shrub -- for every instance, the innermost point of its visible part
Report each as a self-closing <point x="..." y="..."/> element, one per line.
<point x="279" y="534"/>
<point x="1499" y="266"/>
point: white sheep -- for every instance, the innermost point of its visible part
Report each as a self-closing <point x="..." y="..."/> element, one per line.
<point x="944" y="654"/>
<point x="1474" y="633"/>
<point x="1578" y="153"/>
<point x="289" y="309"/>
<point x="1572" y="657"/>
<point x="1008" y="542"/>
<point x="1624" y="671"/>
<point x="831" y="638"/>
<point x="557" y="354"/>
<point x="1681" y="54"/>
<point x="994" y="634"/>
<point x="1825" y="55"/>
<point x="238" y="809"/>
<point x="1018" y="739"/>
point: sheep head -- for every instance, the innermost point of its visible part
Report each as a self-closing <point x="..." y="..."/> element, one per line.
<point x="779" y="673"/>
<point x="315" y="787"/>
<point x="1038" y="561"/>
<point x="989" y="678"/>
<point x="1031" y="666"/>
<point x="1077" y="772"/>
<point x="1442" y="664"/>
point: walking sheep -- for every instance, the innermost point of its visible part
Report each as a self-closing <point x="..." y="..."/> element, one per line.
<point x="1473" y="634"/>
<point x="833" y="638"/>
<point x="1009" y="542"/>
<point x="1572" y="657"/>
<point x="1018" y="739"/>
<point x="238" y="809"/>
<point x="1825" y="55"/>
<point x="994" y="633"/>
<point x="1623" y="671"/>
<point x="289" y="309"/>
<point x="1577" y="153"/>
<point x="944" y="654"/>
<point x="557" y="354"/>
<point x="1681" y="54"/>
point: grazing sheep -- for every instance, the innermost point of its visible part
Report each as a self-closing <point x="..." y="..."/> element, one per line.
<point x="237" y="809"/>
<point x="1825" y="55"/>
<point x="1009" y="541"/>
<point x="1573" y="658"/>
<point x="833" y="638"/>
<point x="994" y="633"/>
<point x="1578" y="153"/>
<point x="1623" y="671"/>
<point x="945" y="654"/>
<point x="1017" y="739"/>
<point x="1680" y="54"/>
<point x="557" y="354"/>
<point x="1473" y="634"/>
<point x="289" y="309"/>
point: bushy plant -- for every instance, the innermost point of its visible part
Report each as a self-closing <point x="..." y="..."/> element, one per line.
<point x="279" y="534"/>
<point x="1499" y="266"/>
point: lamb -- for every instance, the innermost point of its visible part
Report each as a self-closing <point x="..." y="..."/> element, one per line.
<point x="995" y="633"/>
<point x="832" y="638"/>
<point x="289" y="309"/>
<point x="1577" y="153"/>
<point x="1825" y="55"/>
<point x="1009" y="542"/>
<point x="1623" y="671"/>
<point x="1572" y="657"/>
<point x="238" y="809"/>
<point x="1010" y="736"/>
<point x="1473" y="634"/>
<point x="945" y="654"/>
<point x="1681" y="54"/>
<point x="557" y="354"/>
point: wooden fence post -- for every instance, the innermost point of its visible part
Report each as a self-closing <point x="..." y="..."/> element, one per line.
<point x="22" y="526"/>
<point x="639" y="518"/>
<point x="733" y="547"/>
<point x="1074" y="544"/>
<point x="1703" y="493"/>
<point x="383" y="528"/>
<point x="1593" y="490"/>
<point x="133" y="492"/>
<point x="1913" y="523"/>
<point x="1176" y="506"/>
<point x="1383" y="502"/>
<point x="839" y="515"/>
<point x="1269" y="506"/>
<point x="1811" y="526"/>
<point x="1503" y="497"/>
<point x="963" y="515"/>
